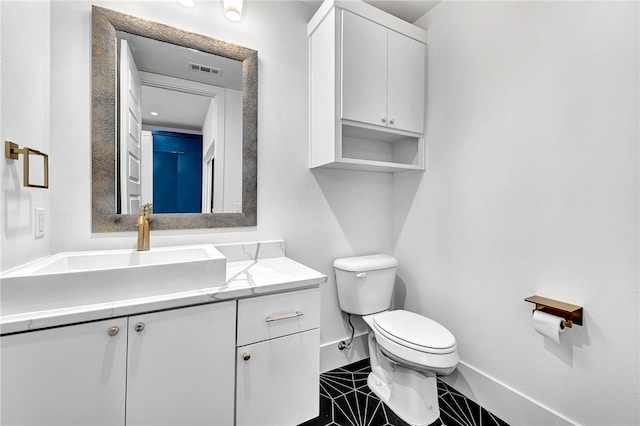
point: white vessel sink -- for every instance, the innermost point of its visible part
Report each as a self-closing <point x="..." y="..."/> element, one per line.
<point x="88" y="277"/>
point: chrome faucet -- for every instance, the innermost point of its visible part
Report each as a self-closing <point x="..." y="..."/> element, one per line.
<point x="143" y="227"/>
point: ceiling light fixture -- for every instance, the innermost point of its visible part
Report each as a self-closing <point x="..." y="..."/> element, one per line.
<point x="233" y="9"/>
<point x="187" y="3"/>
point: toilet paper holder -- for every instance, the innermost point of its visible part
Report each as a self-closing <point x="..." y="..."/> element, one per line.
<point x="572" y="314"/>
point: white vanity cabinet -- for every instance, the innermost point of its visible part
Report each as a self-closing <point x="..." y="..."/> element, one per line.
<point x="72" y="375"/>
<point x="176" y="357"/>
<point x="368" y="74"/>
<point x="277" y="359"/>
<point x="180" y="366"/>
<point x="167" y="368"/>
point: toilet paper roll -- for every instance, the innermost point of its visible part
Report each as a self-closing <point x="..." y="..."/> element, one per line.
<point x="550" y="326"/>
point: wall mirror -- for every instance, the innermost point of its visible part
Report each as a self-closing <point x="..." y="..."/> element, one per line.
<point x="141" y="67"/>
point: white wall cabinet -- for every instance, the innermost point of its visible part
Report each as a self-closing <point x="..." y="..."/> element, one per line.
<point x="382" y="75"/>
<point x="71" y="375"/>
<point x="178" y="369"/>
<point x="367" y="89"/>
<point x="277" y="359"/>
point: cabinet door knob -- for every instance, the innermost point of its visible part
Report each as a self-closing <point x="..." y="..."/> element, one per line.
<point x="384" y="119"/>
<point x="393" y="121"/>
<point x="246" y="356"/>
<point x="113" y="331"/>
<point x="139" y="327"/>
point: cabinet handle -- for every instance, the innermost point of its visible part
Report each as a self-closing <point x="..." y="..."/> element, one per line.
<point x="113" y="331"/>
<point x="246" y="356"/>
<point x="384" y="120"/>
<point x="139" y="327"/>
<point x="393" y="121"/>
<point x="285" y="316"/>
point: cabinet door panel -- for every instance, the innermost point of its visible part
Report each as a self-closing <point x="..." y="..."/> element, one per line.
<point x="279" y="384"/>
<point x="364" y="70"/>
<point x="72" y="375"/>
<point x="407" y="62"/>
<point x="181" y="366"/>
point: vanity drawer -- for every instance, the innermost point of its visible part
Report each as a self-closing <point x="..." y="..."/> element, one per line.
<point x="267" y="317"/>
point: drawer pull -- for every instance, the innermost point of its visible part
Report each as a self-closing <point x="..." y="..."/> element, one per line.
<point x="285" y="316"/>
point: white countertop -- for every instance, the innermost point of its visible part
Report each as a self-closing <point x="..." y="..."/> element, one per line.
<point x="245" y="278"/>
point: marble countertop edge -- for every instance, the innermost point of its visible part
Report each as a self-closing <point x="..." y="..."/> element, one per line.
<point x="244" y="279"/>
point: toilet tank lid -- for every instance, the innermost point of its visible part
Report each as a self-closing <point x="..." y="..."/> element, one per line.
<point x="365" y="263"/>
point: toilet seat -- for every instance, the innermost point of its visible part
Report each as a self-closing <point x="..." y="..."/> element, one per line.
<point x="423" y="355"/>
<point x="415" y="331"/>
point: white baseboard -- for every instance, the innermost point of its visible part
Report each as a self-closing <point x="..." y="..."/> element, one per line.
<point x="331" y="357"/>
<point x="502" y="400"/>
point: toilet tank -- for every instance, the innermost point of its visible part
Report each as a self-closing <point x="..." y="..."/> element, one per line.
<point x="365" y="283"/>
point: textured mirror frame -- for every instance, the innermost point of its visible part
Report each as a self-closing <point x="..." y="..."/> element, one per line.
<point x="105" y="23"/>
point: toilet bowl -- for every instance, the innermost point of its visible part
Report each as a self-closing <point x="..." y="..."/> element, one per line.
<point x="407" y="350"/>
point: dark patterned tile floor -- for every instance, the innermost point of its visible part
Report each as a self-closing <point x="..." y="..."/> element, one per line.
<point x="346" y="400"/>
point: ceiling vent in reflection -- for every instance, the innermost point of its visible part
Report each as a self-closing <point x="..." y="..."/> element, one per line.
<point x="205" y="68"/>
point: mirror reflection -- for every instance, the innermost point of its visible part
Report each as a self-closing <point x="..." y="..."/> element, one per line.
<point x="180" y="136"/>
<point x="216" y="97"/>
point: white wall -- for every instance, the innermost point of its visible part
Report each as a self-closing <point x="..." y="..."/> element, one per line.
<point x="24" y="119"/>
<point x="531" y="188"/>
<point x="321" y="215"/>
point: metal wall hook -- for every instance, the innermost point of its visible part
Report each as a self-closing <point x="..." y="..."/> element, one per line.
<point x="12" y="152"/>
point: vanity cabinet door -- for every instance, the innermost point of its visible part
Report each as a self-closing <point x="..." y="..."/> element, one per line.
<point x="278" y="380"/>
<point x="72" y="375"/>
<point x="181" y="366"/>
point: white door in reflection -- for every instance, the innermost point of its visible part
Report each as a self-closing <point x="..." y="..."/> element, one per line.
<point x="130" y="131"/>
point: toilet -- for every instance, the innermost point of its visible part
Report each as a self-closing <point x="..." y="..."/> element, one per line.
<point x="407" y="351"/>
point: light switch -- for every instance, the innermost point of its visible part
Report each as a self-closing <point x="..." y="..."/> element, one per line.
<point x="39" y="222"/>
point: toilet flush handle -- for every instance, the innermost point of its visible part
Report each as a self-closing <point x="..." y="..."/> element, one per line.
<point x="361" y="275"/>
